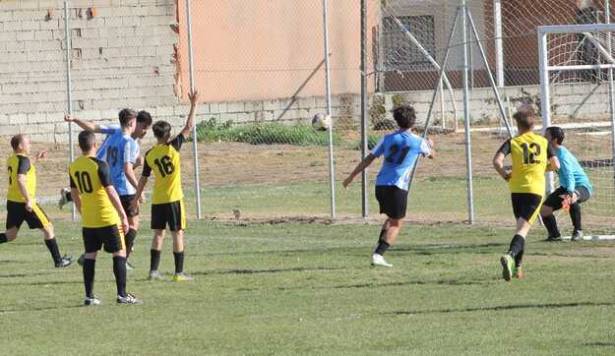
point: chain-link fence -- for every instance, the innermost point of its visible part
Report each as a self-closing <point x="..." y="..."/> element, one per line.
<point x="261" y="70"/>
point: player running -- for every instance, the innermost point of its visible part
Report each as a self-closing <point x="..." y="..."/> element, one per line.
<point x="121" y="151"/>
<point x="575" y="188"/>
<point x="531" y="157"/>
<point x="21" y="202"/>
<point x="401" y="150"/>
<point x="167" y="196"/>
<point x="102" y="213"/>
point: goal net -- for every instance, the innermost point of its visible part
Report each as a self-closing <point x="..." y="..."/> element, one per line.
<point x="576" y="65"/>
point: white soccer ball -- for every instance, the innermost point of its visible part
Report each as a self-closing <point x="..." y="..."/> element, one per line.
<point x="321" y="122"/>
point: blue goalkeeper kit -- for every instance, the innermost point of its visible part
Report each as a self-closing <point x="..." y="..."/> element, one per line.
<point x="571" y="174"/>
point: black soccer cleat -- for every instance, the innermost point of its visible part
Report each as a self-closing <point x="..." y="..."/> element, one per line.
<point x="553" y="238"/>
<point x="128" y="299"/>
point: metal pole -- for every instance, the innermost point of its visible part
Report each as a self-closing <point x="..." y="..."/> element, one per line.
<point x="69" y="91"/>
<point x="364" y="99"/>
<point x="499" y="44"/>
<point x="325" y="14"/>
<point x="466" y="111"/>
<point x="545" y="99"/>
<point x="195" y="146"/>
<point x="498" y="98"/>
<point x="607" y="15"/>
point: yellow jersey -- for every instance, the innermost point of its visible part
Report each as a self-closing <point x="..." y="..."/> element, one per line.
<point x="164" y="160"/>
<point x="530" y="155"/>
<point x="20" y="164"/>
<point x="90" y="177"/>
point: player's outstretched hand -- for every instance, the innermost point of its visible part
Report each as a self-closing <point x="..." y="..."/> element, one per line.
<point x="42" y="154"/>
<point x="194" y="97"/>
<point x="68" y="118"/>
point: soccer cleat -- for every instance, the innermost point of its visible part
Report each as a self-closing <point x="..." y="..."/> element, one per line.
<point x="128" y="299"/>
<point x="182" y="277"/>
<point x="508" y="266"/>
<point x="63" y="198"/>
<point x="577" y="235"/>
<point x="378" y="260"/>
<point x="91" y="301"/>
<point x="65" y="262"/>
<point x="81" y="259"/>
<point x="155" y="276"/>
<point x="553" y="238"/>
<point x="519" y="273"/>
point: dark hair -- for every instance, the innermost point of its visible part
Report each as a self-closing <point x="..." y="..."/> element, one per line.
<point x="87" y="139"/>
<point x="126" y="115"/>
<point x="143" y="117"/>
<point x="404" y="116"/>
<point x="524" y="119"/>
<point x="16" y="141"/>
<point x="162" y="129"/>
<point x="556" y="133"/>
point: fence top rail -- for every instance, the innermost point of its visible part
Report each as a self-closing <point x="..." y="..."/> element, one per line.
<point x="575" y="28"/>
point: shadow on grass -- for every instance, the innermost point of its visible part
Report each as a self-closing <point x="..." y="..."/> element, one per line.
<point x="43" y="283"/>
<point x="23" y="275"/>
<point x="503" y="308"/>
<point x="35" y="309"/>
<point x="439" y="249"/>
<point x="243" y="271"/>
<point x="599" y="344"/>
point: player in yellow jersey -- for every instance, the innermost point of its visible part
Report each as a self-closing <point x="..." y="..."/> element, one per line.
<point x="21" y="202"/>
<point x="531" y="157"/>
<point x="167" y="197"/>
<point x="102" y="217"/>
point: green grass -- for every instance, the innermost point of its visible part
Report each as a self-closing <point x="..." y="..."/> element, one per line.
<point x="298" y="289"/>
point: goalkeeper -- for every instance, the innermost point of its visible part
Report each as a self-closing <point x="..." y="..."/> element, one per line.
<point x="575" y="188"/>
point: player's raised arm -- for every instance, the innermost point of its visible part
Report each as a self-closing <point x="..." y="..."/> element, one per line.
<point x="86" y="125"/>
<point x="187" y="130"/>
<point x="498" y="160"/>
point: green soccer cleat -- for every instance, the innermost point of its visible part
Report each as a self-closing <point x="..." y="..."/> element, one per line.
<point x="508" y="267"/>
<point x="182" y="277"/>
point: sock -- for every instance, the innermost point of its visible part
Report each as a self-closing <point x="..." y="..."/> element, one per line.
<point x="52" y="246"/>
<point x="155" y="260"/>
<point x="3" y="238"/>
<point x="130" y="240"/>
<point x="119" y="270"/>
<point x="551" y="225"/>
<point x="516" y="245"/>
<point x="519" y="259"/>
<point x="382" y="247"/>
<point x="88" y="276"/>
<point x="68" y="196"/>
<point x="575" y="216"/>
<point x="383" y="235"/>
<point x="179" y="261"/>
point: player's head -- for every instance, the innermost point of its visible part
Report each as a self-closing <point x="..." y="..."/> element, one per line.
<point x="20" y="143"/>
<point x="162" y="130"/>
<point x="555" y="134"/>
<point x="144" y="122"/>
<point x="87" y="141"/>
<point x="405" y="116"/>
<point x="525" y="118"/>
<point x="128" y="119"/>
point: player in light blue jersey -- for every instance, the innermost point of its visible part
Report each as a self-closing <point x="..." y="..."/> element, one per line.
<point x="400" y="150"/>
<point x="575" y="188"/>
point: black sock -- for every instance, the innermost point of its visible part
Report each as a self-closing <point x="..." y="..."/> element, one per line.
<point x="89" y="267"/>
<point x="179" y="261"/>
<point x="575" y="216"/>
<point x="551" y="225"/>
<point x="130" y="240"/>
<point x="155" y="260"/>
<point x="382" y="247"/>
<point x="519" y="259"/>
<point x="119" y="270"/>
<point x="516" y="245"/>
<point x="3" y="238"/>
<point x="52" y="246"/>
<point x="383" y="235"/>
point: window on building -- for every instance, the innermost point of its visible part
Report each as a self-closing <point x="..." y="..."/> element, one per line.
<point x="399" y="52"/>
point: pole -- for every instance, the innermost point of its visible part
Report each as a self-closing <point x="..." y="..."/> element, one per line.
<point x="195" y="146"/>
<point x="325" y="14"/>
<point x="499" y="44"/>
<point x="364" y="103"/>
<point x="466" y="111"/>
<point x="545" y="99"/>
<point x="69" y="91"/>
<point x="607" y="15"/>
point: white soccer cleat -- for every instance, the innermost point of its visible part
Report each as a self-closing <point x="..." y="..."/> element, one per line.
<point x="89" y="301"/>
<point x="378" y="260"/>
<point x="155" y="276"/>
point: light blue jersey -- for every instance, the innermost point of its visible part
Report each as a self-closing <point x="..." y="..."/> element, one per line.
<point x="117" y="150"/>
<point x="571" y="174"/>
<point x="401" y="150"/>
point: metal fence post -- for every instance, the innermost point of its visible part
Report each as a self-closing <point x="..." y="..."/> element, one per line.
<point x="364" y="109"/>
<point x="466" y="110"/>
<point x="607" y="13"/>
<point x="499" y="44"/>
<point x="325" y="14"/>
<point x="69" y="91"/>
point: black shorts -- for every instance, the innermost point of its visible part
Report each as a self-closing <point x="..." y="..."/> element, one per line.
<point x="393" y="201"/>
<point x="16" y="214"/>
<point x="126" y="204"/>
<point x="171" y="214"/>
<point x="555" y="201"/>
<point x="526" y="206"/>
<point x="109" y="236"/>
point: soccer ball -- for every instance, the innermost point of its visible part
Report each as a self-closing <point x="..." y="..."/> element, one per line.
<point x="321" y="122"/>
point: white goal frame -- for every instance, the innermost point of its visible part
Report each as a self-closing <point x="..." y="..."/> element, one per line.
<point x="545" y="70"/>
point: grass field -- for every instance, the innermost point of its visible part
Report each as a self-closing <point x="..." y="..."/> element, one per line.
<point x="308" y="288"/>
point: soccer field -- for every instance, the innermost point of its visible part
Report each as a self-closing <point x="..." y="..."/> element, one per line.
<point x="299" y="288"/>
